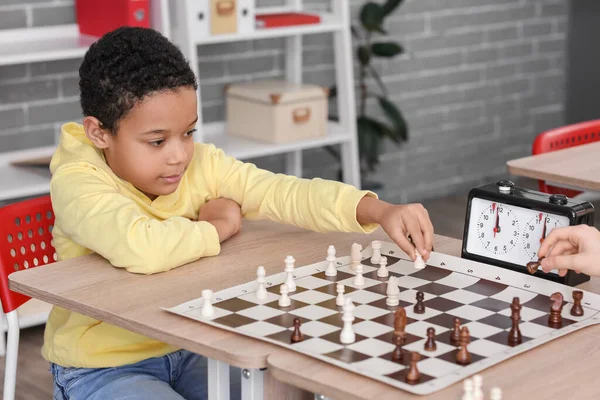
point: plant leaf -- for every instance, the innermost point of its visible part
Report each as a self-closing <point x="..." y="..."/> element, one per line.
<point x="386" y="131"/>
<point x="390" y="5"/>
<point x="363" y="55"/>
<point x="375" y="75"/>
<point x="386" y="49"/>
<point x="395" y="116"/>
<point x="371" y="16"/>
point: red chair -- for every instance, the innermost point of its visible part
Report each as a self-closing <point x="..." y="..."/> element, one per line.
<point x="25" y="242"/>
<point x="561" y="138"/>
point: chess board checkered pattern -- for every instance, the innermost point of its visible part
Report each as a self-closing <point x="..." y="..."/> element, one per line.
<point x="479" y="294"/>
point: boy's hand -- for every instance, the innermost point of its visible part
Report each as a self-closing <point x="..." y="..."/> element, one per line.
<point x="224" y="214"/>
<point x="572" y="247"/>
<point x="400" y="221"/>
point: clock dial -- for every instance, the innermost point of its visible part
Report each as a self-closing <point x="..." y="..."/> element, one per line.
<point x="537" y="229"/>
<point x="498" y="228"/>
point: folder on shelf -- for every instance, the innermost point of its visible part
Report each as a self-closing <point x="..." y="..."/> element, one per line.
<point x="285" y="19"/>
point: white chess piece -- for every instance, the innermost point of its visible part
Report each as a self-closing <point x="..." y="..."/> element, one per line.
<point x="339" y="300"/>
<point x="355" y="255"/>
<point x="347" y="335"/>
<point x="376" y="246"/>
<point x="331" y="270"/>
<point x="359" y="280"/>
<point x="289" y="268"/>
<point x="261" y="292"/>
<point x="284" y="299"/>
<point x="495" y="393"/>
<point x="382" y="272"/>
<point x="468" y="390"/>
<point x="207" y="307"/>
<point x="419" y="263"/>
<point x="392" y="292"/>
<point x="477" y="387"/>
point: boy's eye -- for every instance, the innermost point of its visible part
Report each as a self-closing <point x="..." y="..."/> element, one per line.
<point x="156" y="142"/>
<point x="191" y="133"/>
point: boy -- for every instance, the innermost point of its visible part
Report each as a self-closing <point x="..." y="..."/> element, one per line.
<point x="131" y="185"/>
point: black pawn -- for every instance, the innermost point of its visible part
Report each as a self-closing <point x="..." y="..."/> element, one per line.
<point x="455" y="336"/>
<point x="419" y="306"/>
<point x="430" y="343"/>
<point x="297" y="336"/>
<point x="397" y="354"/>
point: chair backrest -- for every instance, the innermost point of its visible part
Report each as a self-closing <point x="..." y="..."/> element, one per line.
<point x="561" y="138"/>
<point x="25" y="242"/>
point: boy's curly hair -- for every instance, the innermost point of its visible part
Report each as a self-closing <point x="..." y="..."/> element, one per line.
<point x="123" y="67"/>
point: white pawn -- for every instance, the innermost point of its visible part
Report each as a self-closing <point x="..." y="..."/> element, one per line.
<point x="419" y="263"/>
<point x="339" y="300"/>
<point x="261" y="292"/>
<point x="376" y="246"/>
<point x="284" y="299"/>
<point x="392" y="293"/>
<point x="347" y="334"/>
<point x="359" y="280"/>
<point x="207" y="307"/>
<point x="477" y="385"/>
<point x="289" y="268"/>
<point x="468" y="390"/>
<point x="495" y="393"/>
<point x="355" y="255"/>
<point x="331" y="270"/>
<point x="382" y="272"/>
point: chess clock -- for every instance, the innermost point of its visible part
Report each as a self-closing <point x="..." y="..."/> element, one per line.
<point x="505" y="225"/>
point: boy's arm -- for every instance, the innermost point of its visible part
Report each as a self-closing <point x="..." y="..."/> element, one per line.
<point x="91" y="212"/>
<point x="315" y="204"/>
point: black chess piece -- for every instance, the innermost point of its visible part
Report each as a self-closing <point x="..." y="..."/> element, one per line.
<point x="514" y="335"/>
<point x="297" y="336"/>
<point x="577" y="310"/>
<point x="463" y="356"/>
<point x="430" y="344"/>
<point x="455" y="336"/>
<point x="413" y="375"/>
<point x="419" y="307"/>
<point x="398" y="354"/>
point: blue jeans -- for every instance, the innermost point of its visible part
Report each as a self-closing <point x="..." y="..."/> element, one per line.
<point x="179" y="375"/>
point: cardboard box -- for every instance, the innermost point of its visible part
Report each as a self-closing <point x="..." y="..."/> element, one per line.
<point x="277" y="111"/>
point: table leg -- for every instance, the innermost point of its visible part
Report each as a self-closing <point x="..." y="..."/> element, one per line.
<point x="277" y="390"/>
<point x="218" y="380"/>
<point x="252" y="384"/>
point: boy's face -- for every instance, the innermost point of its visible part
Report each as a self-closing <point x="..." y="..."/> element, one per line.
<point x="154" y="143"/>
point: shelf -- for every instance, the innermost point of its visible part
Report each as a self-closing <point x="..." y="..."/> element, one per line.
<point x="42" y="44"/>
<point x="329" y="23"/>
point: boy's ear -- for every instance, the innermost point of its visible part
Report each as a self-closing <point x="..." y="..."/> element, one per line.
<point x="100" y="137"/>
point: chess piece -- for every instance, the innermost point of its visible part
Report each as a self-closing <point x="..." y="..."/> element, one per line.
<point x="261" y="292"/>
<point x="555" y="318"/>
<point x="514" y="335"/>
<point x="577" y="310"/>
<point x="207" y="308"/>
<point x="382" y="272"/>
<point x="331" y="270"/>
<point x="289" y="269"/>
<point x="297" y="336"/>
<point x="419" y="307"/>
<point x="468" y="388"/>
<point x="398" y="353"/>
<point x="455" y="336"/>
<point x="347" y="335"/>
<point x="532" y="266"/>
<point x="419" y="263"/>
<point x="392" y="293"/>
<point x="284" y="299"/>
<point x="339" y="300"/>
<point x="400" y="322"/>
<point x="413" y="375"/>
<point x="376" y="246"/>
<point x="477" y="387"/>
<point x="430" y="344"/>
<point x="463" y="356"/>
<point x="355" y="255"/>
<point x="359" y="280"/>
<point x="495" y="393"/>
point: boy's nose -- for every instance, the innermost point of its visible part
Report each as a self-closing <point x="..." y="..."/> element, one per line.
<point x="177" y="155"/>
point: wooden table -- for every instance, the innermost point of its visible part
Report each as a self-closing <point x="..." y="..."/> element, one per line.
<point x="97" y="289"/>
<point x="577" y="167"/>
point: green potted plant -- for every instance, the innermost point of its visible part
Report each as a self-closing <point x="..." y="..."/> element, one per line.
<point x="370" y="36"/>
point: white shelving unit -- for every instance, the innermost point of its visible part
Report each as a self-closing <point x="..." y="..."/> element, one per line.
<point x="64" y="42"/>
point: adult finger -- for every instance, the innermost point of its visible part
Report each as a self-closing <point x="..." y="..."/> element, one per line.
<point x="573" y="261"/>
<point x="568" y="252"/>
<point x="561" y="248"/>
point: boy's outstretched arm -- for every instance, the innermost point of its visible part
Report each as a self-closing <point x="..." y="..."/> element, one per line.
<point x="90" y="211"/>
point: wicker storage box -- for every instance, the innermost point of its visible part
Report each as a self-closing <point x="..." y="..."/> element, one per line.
<point x="276" y="111"/>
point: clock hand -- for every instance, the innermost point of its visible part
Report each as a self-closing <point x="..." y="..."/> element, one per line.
<point x="543" y="232"/>
<point x="497" y="227"/>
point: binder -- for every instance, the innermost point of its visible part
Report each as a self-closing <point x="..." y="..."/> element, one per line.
<point x="95" y="18"/>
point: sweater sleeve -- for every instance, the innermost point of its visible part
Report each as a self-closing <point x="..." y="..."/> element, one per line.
<point x="316" y="204"/>
<point x="93" y="213"/>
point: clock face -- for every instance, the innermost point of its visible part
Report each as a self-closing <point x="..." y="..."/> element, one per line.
<point x="508" y="233"/>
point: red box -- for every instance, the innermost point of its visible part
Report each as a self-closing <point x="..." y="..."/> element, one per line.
<point x="95" y="18"/>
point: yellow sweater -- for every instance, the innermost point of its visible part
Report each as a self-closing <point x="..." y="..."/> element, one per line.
<point x="96" y="211"/>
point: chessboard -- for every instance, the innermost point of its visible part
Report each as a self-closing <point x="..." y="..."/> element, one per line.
<point x="416" y="326"/>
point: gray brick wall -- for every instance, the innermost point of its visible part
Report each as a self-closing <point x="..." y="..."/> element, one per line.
<point x="484" y="77"/>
